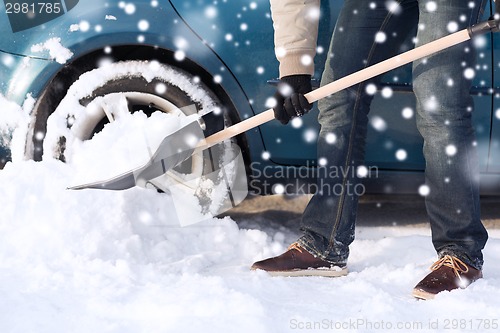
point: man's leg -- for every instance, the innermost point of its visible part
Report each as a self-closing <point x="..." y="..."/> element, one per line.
<point x="366" y="33"/>
<point x="444" y="110"/>
<point x="358" y="41"/>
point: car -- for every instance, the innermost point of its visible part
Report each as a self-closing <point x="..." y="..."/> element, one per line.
<point x="224" y="53"/>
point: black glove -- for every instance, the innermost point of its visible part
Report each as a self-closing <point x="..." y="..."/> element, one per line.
<point x="290" y="100"/>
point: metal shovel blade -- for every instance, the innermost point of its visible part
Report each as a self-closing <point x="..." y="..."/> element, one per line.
<point x="173" y="150"/>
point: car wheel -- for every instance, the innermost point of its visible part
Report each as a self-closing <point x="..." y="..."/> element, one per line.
<point x="102" y="95"/>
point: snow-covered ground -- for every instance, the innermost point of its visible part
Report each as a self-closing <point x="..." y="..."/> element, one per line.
<point x="100" y="261"/>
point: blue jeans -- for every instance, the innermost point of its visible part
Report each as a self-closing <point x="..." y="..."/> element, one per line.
<point x="443" y="118"/>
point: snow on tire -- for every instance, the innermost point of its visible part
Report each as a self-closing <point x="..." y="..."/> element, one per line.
<point x="104" y="93"/>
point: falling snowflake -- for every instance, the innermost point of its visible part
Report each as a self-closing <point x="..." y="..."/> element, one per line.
<point x="280" y="52"/>
<point x="180" y="55"/>
<point x="480" y="42"/>
<point x="253" y="5"/>
<point x="7" y="60"/>
<point x="306" y="60"/>
<point x="497" y="113"/>
<point x="452" y="26"/>
<point x="130" y="8"/>
<point x="266" y="155"/>
<point x="380" y="37"/>
<point x="297" y="122"/>
<point x="278" y="189"/>
<point x="393" y="7"/>
<point x="154" y="65"/>
<point x="181" y="43"/>
<point x="401" y="154"/>
<point x="386" y="92"/>
<point x="469" y="73"/>
<point x="285" y="89"/>
<point x="371" y="89"/>
<point x="451" y="150"/>
<point x="314" y="14"/>
<point x="244" y="27"/>
<point x="322" y="161"/>
<point x="145" y="217"/>
<point x="362" y="171"/>
<point x="217" y="111"/>
<point x="450" y="82"/>
<point x="270" y="102"/>
<point x="378" y="123"/>
<point x="210" y="12"/>
<point x="217" y="78"/>
<point x="105" y="61"/>
<point x="84" y="26"/>
<point x="191" y="140"/>
<point x="260" y="70"/>
<point x="161" y="88"/>
<point x="310" y="136"/>
<point x="431" y="6"/>
<point x="431" y="104"/>
<point x="407" y="113"/>
<point x="39" y="135"/>
<point x="331" y="138"/>
<point x="424" y="190"/>
<point x="228" y="37"/>
<point x="143" y="25"/>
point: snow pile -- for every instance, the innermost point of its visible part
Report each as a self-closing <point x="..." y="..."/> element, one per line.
<point x="126" y="143"/>
<point x="103" y="261"/>
<point x="107" y="261"/>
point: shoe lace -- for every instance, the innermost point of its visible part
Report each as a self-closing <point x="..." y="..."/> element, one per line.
<point x="295" y="246"/>
<point x="454" y="263"/>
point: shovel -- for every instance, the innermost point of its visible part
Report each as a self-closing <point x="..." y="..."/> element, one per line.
<point x="180" y="145"/>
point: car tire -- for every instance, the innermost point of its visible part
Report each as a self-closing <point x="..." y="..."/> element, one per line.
<point x="142" y="85"/>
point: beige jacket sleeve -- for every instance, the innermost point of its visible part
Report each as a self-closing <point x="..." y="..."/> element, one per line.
<point x="295" y="34"/>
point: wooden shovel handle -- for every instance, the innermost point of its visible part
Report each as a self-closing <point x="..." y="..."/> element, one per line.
<point x="345" y="82"/>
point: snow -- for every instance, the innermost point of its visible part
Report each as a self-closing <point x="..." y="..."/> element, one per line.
<point x="14" y="122"/>
<point x="56" y="50"/>
<point x="82" y="261"/>
<point x="106" y="261"/>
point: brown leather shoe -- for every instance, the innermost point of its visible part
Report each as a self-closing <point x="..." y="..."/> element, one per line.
<point x="448" y="273"/>
<point x="296" y="261"/>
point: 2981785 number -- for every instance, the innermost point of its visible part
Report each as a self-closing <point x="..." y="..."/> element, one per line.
<point x="471" y="324"/>
<point x="35" y="8"/>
